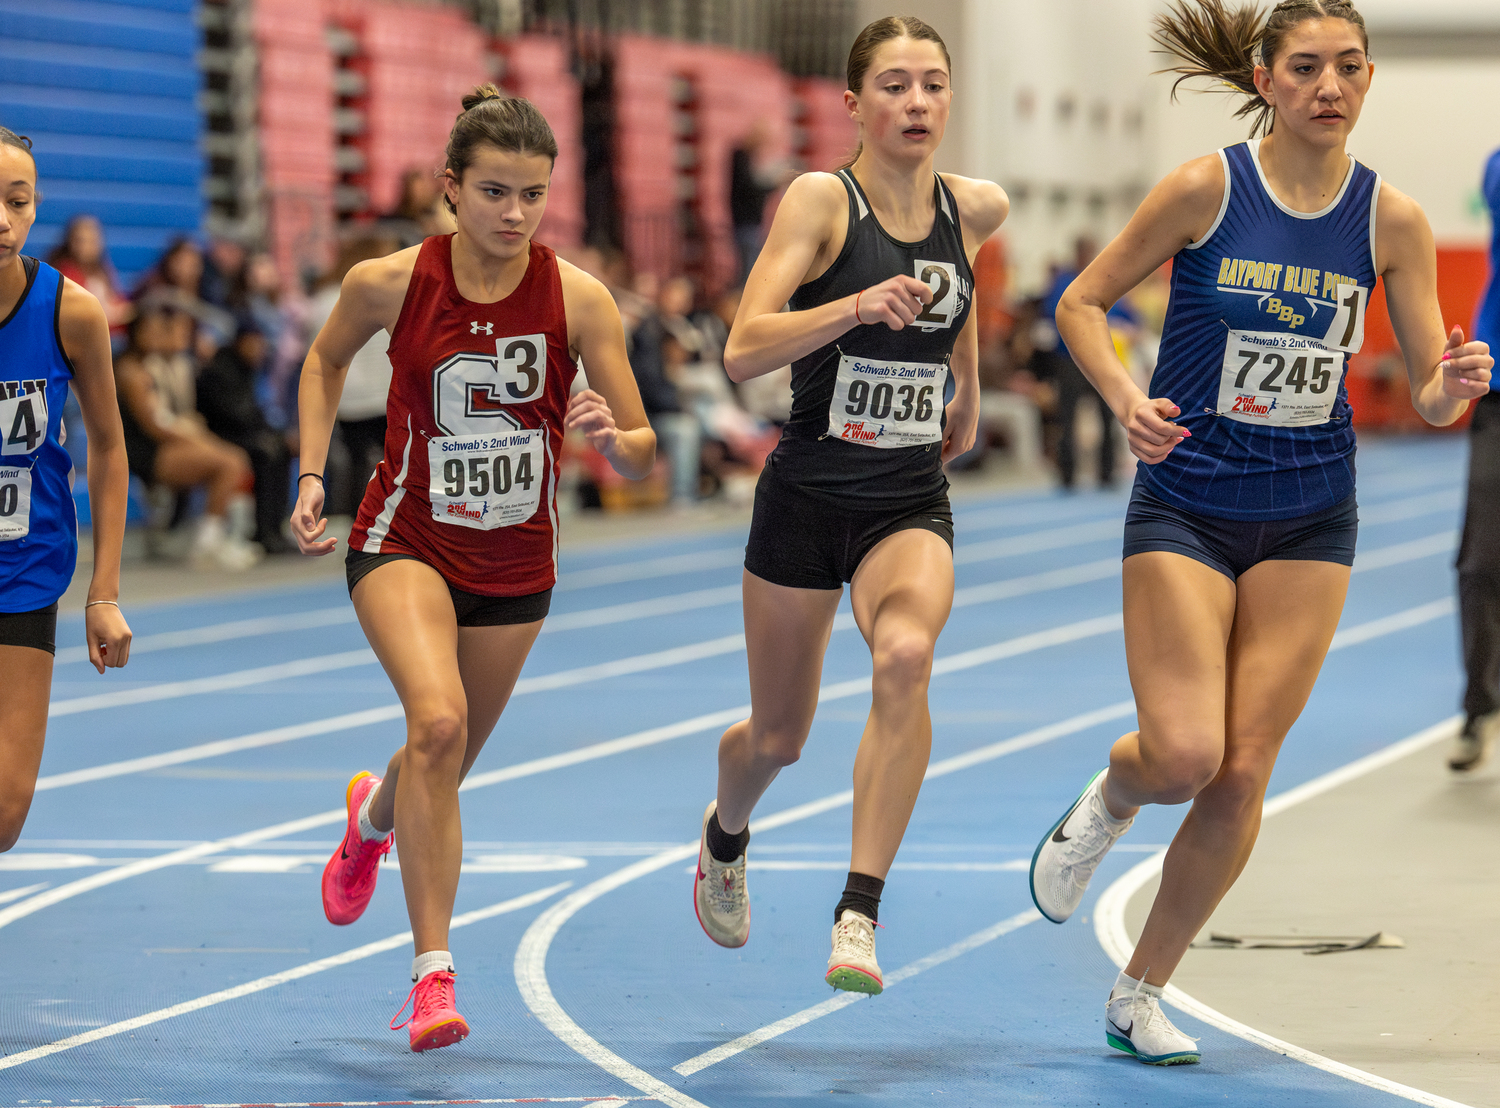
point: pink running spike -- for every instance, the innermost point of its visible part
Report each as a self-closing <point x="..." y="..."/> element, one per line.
<point x="434" y="1022"/>
<point x="349" y="877"/>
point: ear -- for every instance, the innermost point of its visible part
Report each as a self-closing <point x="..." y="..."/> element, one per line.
<point x="1263" y="85"/>
<point x="450" y="186"/>
<point x="851" y="105"/>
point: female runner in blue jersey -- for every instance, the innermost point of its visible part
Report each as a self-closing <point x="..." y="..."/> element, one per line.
<point x="53" y="335"/>
<point x="1240" y="533"/>
<point x="875" y="261"/>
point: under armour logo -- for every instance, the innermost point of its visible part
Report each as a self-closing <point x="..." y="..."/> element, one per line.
<point x="476" y="328"/>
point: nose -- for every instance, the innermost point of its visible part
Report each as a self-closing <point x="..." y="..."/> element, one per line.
<point x="1328" y="84"/>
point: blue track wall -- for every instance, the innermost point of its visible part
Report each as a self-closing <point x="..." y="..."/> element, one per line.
<point x="107" y="90"/>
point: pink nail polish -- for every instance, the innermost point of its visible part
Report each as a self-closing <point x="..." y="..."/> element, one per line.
<point x="1447" y="354"/>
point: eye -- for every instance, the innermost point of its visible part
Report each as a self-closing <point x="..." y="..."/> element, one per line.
<point x="894" y="88"/>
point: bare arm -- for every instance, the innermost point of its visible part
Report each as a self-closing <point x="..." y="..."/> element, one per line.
<point x="369" y="300"/>
<point x="85" y="339"/>
<point x="609" y="411"/>
<point x="1178" y="211"/>
<point x="1443" y="371"/>
<point x="805" y="239"/>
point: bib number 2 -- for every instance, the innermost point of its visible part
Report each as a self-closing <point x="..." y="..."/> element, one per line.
<point x="887" y="404"/>
<point x="487" y="481"/>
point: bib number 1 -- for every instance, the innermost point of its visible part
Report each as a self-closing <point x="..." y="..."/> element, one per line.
<point x="487" y="481"/>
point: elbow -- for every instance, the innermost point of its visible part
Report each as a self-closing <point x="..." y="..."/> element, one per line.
<point x="734" y="366"/>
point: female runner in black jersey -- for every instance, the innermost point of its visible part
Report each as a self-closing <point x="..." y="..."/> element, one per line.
<point x="875" y="261"/>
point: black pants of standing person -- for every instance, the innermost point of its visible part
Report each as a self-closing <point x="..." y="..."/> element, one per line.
<point x="1479" y="563"/>
<point x="271" y="463"/>
<point x="365" y="441"/>
<point x="1073" y="388"/>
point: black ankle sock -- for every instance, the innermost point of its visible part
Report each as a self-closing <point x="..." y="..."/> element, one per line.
<point x="722" y="845"/>
<point x="862" y="894"/>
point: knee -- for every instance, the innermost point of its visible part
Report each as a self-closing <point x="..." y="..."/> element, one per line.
<point x="1238" y="789"/>
<point x="436" y="734"/>
<point x="781" y="746"/>
<point x="903" y="659"/>
<point x="1183" y="769"/>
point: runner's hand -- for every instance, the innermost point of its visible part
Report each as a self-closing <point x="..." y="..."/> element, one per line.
<point x="307" y="527"/>
<point x="107" y="635"/>
<point x="1466" y="367"/>
<point x="1150" y="431"/>
<point x="588" y="412"/>
<point x="895" y="302"/>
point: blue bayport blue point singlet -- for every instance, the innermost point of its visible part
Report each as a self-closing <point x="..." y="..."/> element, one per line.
<point x="38" y="524"/>
<point x="1264" y="313"/>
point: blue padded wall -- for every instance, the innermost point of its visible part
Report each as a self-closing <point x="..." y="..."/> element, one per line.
<point x="107" y="90"/>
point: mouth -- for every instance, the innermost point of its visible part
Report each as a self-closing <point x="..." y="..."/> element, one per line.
<point x="918" y="132"/>
<point x="1328" y="117"/>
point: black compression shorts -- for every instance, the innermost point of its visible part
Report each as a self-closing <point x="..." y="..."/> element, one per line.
<point x="804" y="541"/>
<point x="36" y="629"/>
<point x="471" y="609"/>
<point x="1232" y="546"/>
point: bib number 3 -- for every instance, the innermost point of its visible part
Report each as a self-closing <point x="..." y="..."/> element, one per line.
<point x="1278" y="380"/>
<point x="15" y="502"/>
<point x="887" y="404"/>
<point x="487" y="481"/>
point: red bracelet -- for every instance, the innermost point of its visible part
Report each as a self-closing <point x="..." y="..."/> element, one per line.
<point x="857" y="295"/>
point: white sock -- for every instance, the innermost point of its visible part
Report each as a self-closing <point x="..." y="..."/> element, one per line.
<point x="211" y="532"/>
<point x="1104" y="808"/>
<point x="431" y="962"/>
<point x="1125" y="984"/>
<point x="367" y="830"/>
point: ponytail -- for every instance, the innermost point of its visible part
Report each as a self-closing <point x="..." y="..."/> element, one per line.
<point x="1213" y="41"/>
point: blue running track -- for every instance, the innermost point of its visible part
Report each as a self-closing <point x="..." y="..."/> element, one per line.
<point x="165" y="945"/>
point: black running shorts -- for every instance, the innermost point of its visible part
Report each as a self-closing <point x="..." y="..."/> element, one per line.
<point x="803" y="541"/>
<point x="1232" y="546"/>
<point x="471" y="609"/>
<point x="36" y="629"/>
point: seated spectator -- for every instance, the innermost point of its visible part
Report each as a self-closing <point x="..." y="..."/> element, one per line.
<point x="81" y="257"/>
<point x="735" y="443"/>
<point x="166" y="441"/>
<point x="226" y="400"/>
<point x="361" y="412"/>
<point x="180" y="268"/>
<point x="419" y="213"/>
<point x="223" y="281"/>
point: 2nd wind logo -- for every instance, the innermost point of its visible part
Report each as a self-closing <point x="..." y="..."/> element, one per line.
<point x="859" y="431"/>
<point x="463" y="510"/>
<point x="1251" y="405"/>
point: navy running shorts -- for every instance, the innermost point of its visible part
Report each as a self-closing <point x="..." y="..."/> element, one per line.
<point x="1232" y="546"/>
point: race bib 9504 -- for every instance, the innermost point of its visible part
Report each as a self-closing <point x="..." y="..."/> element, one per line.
<point x="487" y="481"/>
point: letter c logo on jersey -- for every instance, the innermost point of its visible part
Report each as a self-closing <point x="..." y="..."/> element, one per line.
<point x="471" y="391"/>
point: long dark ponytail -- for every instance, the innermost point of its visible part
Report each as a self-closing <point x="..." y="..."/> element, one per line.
<point x="1224" y="44"/>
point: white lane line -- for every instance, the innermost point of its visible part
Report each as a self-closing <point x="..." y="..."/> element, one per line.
<point x="25" y="890"/>
<point x="667" y="566"/>
<point x="1401" y="621"/>
<point x="1036" y="541"/>
<point x="223" y="632"/>
<point x="1425" y="547"/>
<point x="643" y="609"/>
<point x="843" y="1000"/>
<point x="604" y="1101"/>
<point x="968" y="659"/>
<point x="1410" y="507"/>
<point x="239" y="679"/>
<point x="531" y="955"/>
<point x="976" y="594"/>
<point x="1109" y="919"/>
<point x="260" y="984"/>
<point x="1015" y="865"/>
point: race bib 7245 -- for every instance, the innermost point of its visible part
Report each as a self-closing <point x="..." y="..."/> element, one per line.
<point x="1278" y="379"/>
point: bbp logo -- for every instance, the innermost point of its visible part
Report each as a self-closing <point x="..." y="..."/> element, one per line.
<point x="477" y="328"/>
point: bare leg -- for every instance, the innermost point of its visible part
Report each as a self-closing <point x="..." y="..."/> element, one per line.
<point x="183" y="463"/>
<point x="1285" y="616"/>
<point x="786" y="633"/>
<point x="902" y="594"/>
<point x="24" y="696"/>
<point x="407" y="614"/>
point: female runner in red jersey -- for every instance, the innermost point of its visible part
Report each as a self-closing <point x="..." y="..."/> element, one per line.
<point x="454" y="553"/>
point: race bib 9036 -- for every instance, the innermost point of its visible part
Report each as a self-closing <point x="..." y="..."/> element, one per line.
<point x="1278" y="380"/>
<point x="487" y="481"/>
<point x="887" y="404"/>
<point x="15" y="502"/>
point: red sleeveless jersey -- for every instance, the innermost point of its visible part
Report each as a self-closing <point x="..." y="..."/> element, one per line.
<point x="474" y="428"/>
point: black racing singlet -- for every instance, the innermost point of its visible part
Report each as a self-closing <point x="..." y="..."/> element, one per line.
<point x="867" y="409"/>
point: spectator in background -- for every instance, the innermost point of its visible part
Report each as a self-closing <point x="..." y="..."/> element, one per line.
<point x="751" y="182"/>
<point x="1071" y="385"/>
<point x="81" y="256"/>
<point x="180" y="268"/>
<point x="361" y="411"/>
<point x="223" y="280"/>
<point x="279" y="318"/>
<point x="226" y="400"/>
<point x="166" y="441"/>
<point x="419" y="213"/>
<point x="1479" y="552"/>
